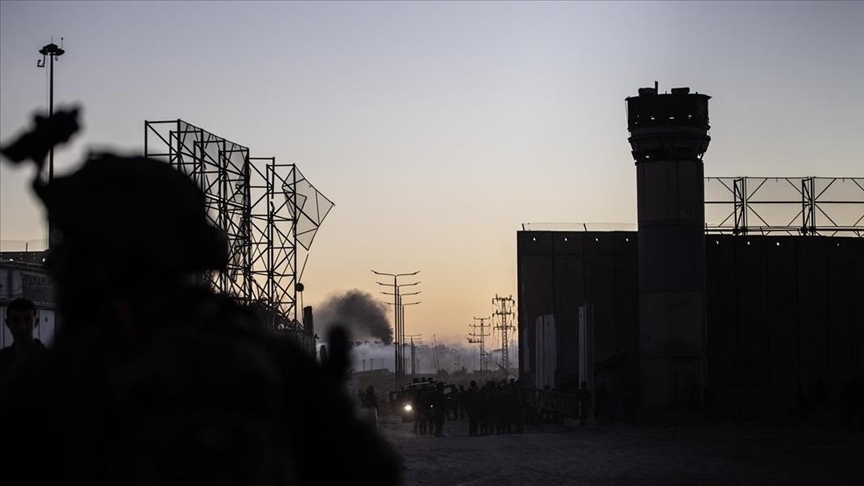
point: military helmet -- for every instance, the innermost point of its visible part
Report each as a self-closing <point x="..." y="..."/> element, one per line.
<point x="138" y="212"/>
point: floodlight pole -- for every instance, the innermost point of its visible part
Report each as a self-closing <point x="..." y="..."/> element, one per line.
<point x="52" y="51"/>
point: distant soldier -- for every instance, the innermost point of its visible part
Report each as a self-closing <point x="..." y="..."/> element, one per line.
<point x="858" y="404"/>
<point x="369" y="398"/>
<point x="521" y="409"/>
<point x="423" y="410"/>
<point x="483" y="409"/>
<point x="439" y="408"/>
<point x="470" y="399"/>
<point x="584" y="397"/>
<point x="601" y="409"/>
<point x="455" y="399"/>
<point x="21" y="319"/>
<point x="497" y="412"/>
<point x="419" y="412"/>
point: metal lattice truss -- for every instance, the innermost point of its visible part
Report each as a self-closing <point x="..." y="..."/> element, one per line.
<point x="821" y="206"/>
<point x="266" y="209"/>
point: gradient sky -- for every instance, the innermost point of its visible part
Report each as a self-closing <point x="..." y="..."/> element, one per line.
<point x="438" y="128"/>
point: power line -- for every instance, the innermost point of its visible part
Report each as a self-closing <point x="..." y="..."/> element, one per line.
<point x="504" y="311"/>
<point x="480" y="339"/>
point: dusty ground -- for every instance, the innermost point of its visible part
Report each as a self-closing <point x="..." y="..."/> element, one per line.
<point x="719" y="454"/>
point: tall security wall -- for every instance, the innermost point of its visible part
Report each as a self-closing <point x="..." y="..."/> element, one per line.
<point x="784" y="315"/>
<point x="558" y="272"/>
<point x="778" y="316"/>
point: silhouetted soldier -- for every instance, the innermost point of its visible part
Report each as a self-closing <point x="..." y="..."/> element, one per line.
<point x="483" y="406"/>
<point x="21" y="319"/>
<point x="803" y="403"/>
<point x="601" y="405"/>
<point x="521" y="408"/>
<point x="153" y="380"/>
<point x="847" y="406"/>
<point x="419" y="412"/>
<point x="584" y="404"/>
<point x="511" y="406"/>
<point x="707" y="401"/>
<point x="369" y="398"/>
<point x="496" y="410"/>
<point x="456" y="402"/>
<point x="439" y="404"/>
<point x="858" y="404"/>
<point x="425" y="409"/>
<point x="470" y="399"/>
<point x="462" y="408"/>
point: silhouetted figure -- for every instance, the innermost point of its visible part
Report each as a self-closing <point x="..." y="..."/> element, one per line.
<point x="847" y="406"/>
<point x="462" y="407"/>
<point x="455" y="399"/>
<point x="858" y="405"/>
<point x="601" y="406"/>
<point x="471" y="400"/>
<point x="21" y="320"/>
<point x="152" y="379"/>
<point x="584" y="404"/>
<point x="707" y="401"/>
<point x="804" y="403"/>
<point x="484" y="404"/>
<point x="496" y="409"/>
<point x="819" y="396"/>
<point x="520" y="403"/>
<point x="369" y="399"/>
<point x="439" y="409"/>
<point x="418" y="405"/>
<point x="510" y="406"/>
<point x="523" y="410"/>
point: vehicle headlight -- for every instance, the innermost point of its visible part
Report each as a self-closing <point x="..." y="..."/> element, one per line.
<point x="408" y="408"/>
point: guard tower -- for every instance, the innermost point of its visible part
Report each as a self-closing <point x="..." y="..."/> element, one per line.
<point x="669" y="135"/>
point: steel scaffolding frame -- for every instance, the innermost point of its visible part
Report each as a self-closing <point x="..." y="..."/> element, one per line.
<point x="269" y="211"/>
<point x="817" y="206"/>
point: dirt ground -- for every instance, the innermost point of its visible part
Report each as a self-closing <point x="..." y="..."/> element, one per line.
<point x="714" y="454"/>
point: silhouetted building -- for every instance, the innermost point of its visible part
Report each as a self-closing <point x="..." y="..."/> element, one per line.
<point x="738" y="323"/>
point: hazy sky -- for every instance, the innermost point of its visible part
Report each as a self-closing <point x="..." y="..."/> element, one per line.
<point x="438" y="128"/>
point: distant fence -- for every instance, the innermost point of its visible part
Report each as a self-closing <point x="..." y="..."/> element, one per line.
<point x="579" y="227"/>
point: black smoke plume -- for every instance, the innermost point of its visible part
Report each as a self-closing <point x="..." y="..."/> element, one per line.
<point x="361" y="315"/>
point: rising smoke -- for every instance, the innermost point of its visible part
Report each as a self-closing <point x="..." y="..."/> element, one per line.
<point x="361" y="315"/>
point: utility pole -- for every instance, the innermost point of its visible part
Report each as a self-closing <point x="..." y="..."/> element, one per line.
<point x="437" y="363"/>
<point x="53" y="52"/>
<point x="398" y="324"/>
<point x="415" y="339"/>
<point x="404" y="338"/>
<point x="480" y="339"/>
<point x="504" y="310"/>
